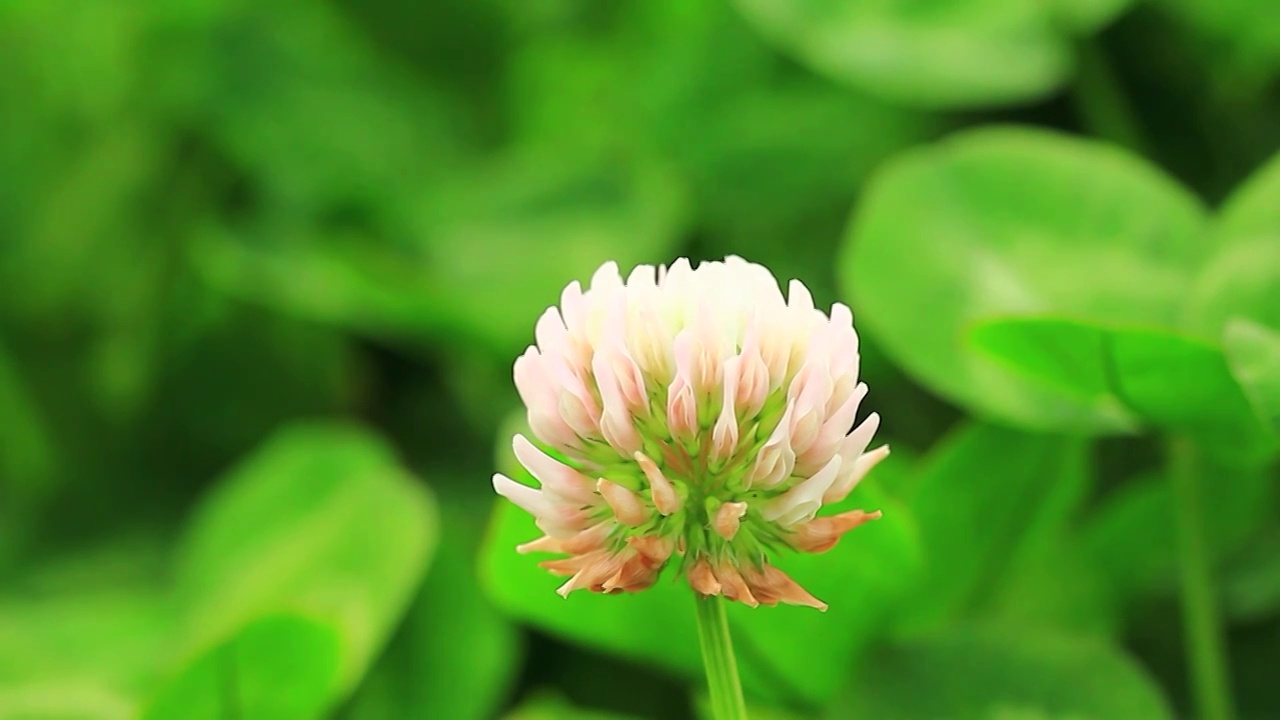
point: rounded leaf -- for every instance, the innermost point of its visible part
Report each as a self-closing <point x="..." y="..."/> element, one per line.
<point x="940" y="54"/>
<point x="980" y="673"/>
<point x="1012" y="221"/>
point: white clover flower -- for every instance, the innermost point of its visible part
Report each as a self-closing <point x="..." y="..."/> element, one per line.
<point x="690" y="413"/>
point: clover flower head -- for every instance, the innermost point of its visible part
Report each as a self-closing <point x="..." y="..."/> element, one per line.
<point x="695" y="416"/>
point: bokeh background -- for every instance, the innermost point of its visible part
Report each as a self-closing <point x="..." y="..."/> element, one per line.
<point x="264" y="267"/>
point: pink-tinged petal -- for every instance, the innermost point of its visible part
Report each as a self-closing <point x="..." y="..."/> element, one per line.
<point x="616" y="423"/>
<point x="650" y="345"/>
<point x="557" y="478"/>
<point x="630" y="380"/>
<point x="776" y="459"/>
<point x="575" y="401"/>
<point x="772" y="586"/>
<point x="702" y="579"/>
<point x="627" y="506"/>
<point x="842" y="317"/>
<point x="852" y="473"/>
<point x="728" y="519"/>
<point x="550" y="333"/>
<point x="734" y="587"/>
<point x="589" y="571"/>
<point x="711" y="347"/>
<point x="544" y="544"/>
<point x="641" y="563"/>
<point x="724" y="436"/>
<point x="590" y="540"/>
<point x="534" y="502"/>
<point x="665" y="497"/>
<point x="810" y="391"/>
<point x="753" y="375"/>
<point x="633" y="576"/>
<point x="851" y="448"/>
<point x="579" y="543"/>
<point x="653" y="548"/>
<point x="821" y="534"/>
<point x="833" y="433"/>
<point x="538" y="392"/>
<point x="801" y="502"/>
<point x="553" y="517"/>
<point x="844" y="340"/>
<point x="775" y="348"/>
<point x="682" y="405"/>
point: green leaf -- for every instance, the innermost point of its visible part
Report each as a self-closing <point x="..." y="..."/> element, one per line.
<point x="1055" y="584"/>
<point x="280" y="666"/>
<point x="1088" y="16"/>
<point x="1068" y="356"/>
<point x="382" y="134"/>
<point x="82" y="633"/>
<point x="1166" y="380"/>
<point x="992" y="673"/>
<point x="551" y="217"/>
<point x="1253" y="352"/>
<point x="1132" y="539"/>
<point x="1247" y="32"/>
<point x="79" y="699"/>
<point x="321" y="522"/>
<point x="988" y="496"/>
<point x="945" y="55"/>
<point x="1184" y="385"/>
<point x="995" y="222"/>
<point x="1251" y="210"/>
<point x="28" y="460"/>
<point x="1251" y="580"/>
<point x="549" y="706"/>
<point x="1242" y="278"/>
<point x="423" y="673"/>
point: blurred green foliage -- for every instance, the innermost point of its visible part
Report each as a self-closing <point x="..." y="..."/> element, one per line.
<point x="264" y="267"/>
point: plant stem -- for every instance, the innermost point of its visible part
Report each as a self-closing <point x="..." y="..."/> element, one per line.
<point x="717" y="655"/>
<point x="1201" y="627"/>
<point x="1103" y="107"/>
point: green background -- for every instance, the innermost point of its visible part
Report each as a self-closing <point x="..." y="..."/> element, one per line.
<point x="265" y="265"/>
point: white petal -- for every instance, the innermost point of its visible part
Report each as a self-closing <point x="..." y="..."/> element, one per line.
<point x="724" y="437"/>
<point x="553" y="518"/>
<point x="854" y="474"/>
<point x="802" y="502"/>
<point x="556" y="477"/>
<point x="776" y="459"/>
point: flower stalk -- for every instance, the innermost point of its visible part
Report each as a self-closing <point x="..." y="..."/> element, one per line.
<point x="717" y="656"/>
<point x="1201" y="623"/>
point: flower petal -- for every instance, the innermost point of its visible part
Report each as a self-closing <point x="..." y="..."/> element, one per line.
<point x="821" y="534"/>
<point x="728" y="519"/>
<point x="801" y="502"/>
<point x="665" y="497"/>
<point x="556" y="477"/>
<point x="627" y="506"/>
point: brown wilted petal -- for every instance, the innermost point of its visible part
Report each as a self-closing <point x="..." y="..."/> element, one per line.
<point x="821" y="534"/>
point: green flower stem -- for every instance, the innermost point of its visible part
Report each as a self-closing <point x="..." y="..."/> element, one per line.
<point x="1201" y="626"/>
<point x="717" y="655"/>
